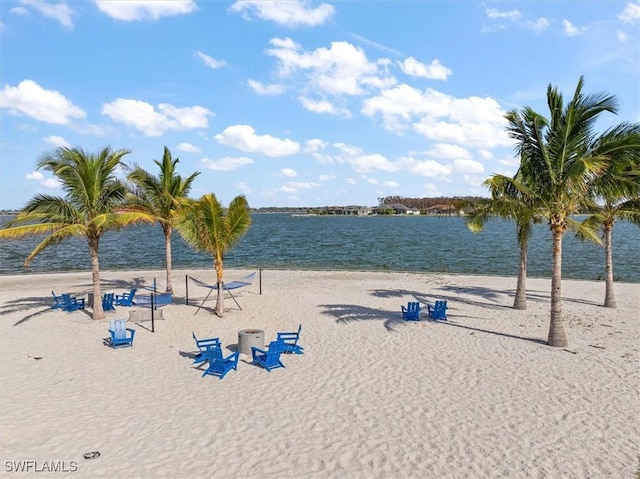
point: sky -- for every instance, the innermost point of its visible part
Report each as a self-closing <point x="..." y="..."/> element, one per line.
<point x="300" y="103"/>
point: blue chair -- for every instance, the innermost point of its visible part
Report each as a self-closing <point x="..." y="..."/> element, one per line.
<point x="107" y="302"/>
<point x="71" y="303"/>
<point x="290" y="340"/>
<point x="411" y="312"/>
<point x="203" y="345"/>
<point x="269" y="359"/>
<point x="218" y="365"/>
<point x="58" y="301"/>
<point x="125" y="299"/>
<point x="438" y="310"/>
<point x="120" y="334"/>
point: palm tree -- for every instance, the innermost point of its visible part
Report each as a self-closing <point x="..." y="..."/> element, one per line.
<point x="559" y="159"/>
<point x="92" y="194"/>
<point x="617" y="193"/>
<point x="207" y="227"/>
<point x="161" y="198"/>
<point x="508" y="203"/>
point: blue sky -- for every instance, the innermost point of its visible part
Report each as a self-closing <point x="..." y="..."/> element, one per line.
<point x="300" y="103"/>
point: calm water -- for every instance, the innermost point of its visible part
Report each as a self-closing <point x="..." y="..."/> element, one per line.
<point x="412" y="243"/>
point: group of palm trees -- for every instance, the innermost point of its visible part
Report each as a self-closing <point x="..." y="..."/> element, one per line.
<point x="96" y="200"/>
<point x="567" y="168"/>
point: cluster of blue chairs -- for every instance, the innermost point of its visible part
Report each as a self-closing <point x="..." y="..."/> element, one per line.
<point x="210" y="350"/>
<point x="437" y="311"/>
<point x="111" y="300"/>
<point x="66" y="302"/>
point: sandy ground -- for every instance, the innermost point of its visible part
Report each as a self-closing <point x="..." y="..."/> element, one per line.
<point x="374" y="396"/>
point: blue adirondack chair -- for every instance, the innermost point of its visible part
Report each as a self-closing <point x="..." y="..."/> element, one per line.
<point x="107" y="302"/>
<point x="269" y="359"/>
<point x="290" y="340"/>
<point x="120" y="334"/>
<point x="438" y="310"/>
<point x="71" y="303"/>
<point x="58" y="301"/>
<point x="203" y="345"/>
<point x="411" y="312"/>
<point x="125" y="299"/>
<point x="218" y="365"/>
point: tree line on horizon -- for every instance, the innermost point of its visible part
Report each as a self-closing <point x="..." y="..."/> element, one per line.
<point x="565" y="168"/>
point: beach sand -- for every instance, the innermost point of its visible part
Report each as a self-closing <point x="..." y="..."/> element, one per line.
<point x="478" y="396"/>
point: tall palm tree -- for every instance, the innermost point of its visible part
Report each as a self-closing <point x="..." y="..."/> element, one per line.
<point x="508" y="203"/>
<point x="617" y="193"/>
<point x="161" y="196"/>
<point x="92" y="194"/>
<point x="559" y="159"/>
<point x="207" y="227"/>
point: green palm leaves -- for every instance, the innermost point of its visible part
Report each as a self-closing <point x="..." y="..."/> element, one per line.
<point x="565" y="168"/>
<point x="208" y="228"/>
<point x="160" y="197"/>
<point x="92" y="193"/>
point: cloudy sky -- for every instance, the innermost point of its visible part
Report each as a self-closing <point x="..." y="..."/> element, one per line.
<point x="300" y="103"/>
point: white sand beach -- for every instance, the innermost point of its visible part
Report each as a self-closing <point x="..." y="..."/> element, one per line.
<point x="477" y="396"/>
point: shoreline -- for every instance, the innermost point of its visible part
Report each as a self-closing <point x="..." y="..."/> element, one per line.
<point x="373" y="396"/>
<point x="161" y="273"/>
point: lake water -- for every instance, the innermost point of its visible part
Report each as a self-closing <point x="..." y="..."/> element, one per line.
<point x="395" y="243"/>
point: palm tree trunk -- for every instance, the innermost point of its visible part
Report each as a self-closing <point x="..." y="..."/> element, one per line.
<point x="167" y="248"/>
<point x="520" y="301"/>
<point x="609" y="296"/>
<point x="557" y="336"/>
<point x="94" y="247"/>
<point x="220" y="299"/>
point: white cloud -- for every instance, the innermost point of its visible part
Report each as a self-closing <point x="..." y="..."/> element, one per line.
<point x="428" y="168"/>
<point x="469" y="121"/>
<point x="391" y="184"/>
<point x="434" y="71"/>
<point x="46" y="182"/>
<point x="622" y="36"/>
<point x="631" y="13"/>
<point x="133" y="10"/>
<point x="19" y="11"/>
<point x="570" y="30"/>
<point x="314" y="145"/>
<point x="540" y="25"/>
<point x="292" y="13"/>
<point x="497" y="14"/>
<point x="227" y="163"/>
<point x="30" y="99"/>
<point x="188" y="148"/>
<point x="289" y="172"/>
<point x="35" y="175"/>
<point x="57" y="141"/>
<point x="367" y="163"/>
<point x="244" y="187"/>
<point x="210" y="61"/>
<point x="342" y="69"/>
<point x="266" y="90"/>
<point x="327" y="177"/>
<point x="468" y="166"/>
<point x="145" y="118"/>
<point x="448" y="152"/>
<point x="61" y="12"/>
<point x="323" y="106"/>
<point x="293" y="187"/>
<point x="244" y="138"/>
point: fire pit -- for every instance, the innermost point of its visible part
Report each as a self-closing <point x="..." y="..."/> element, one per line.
<point x="248" y="338"/>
